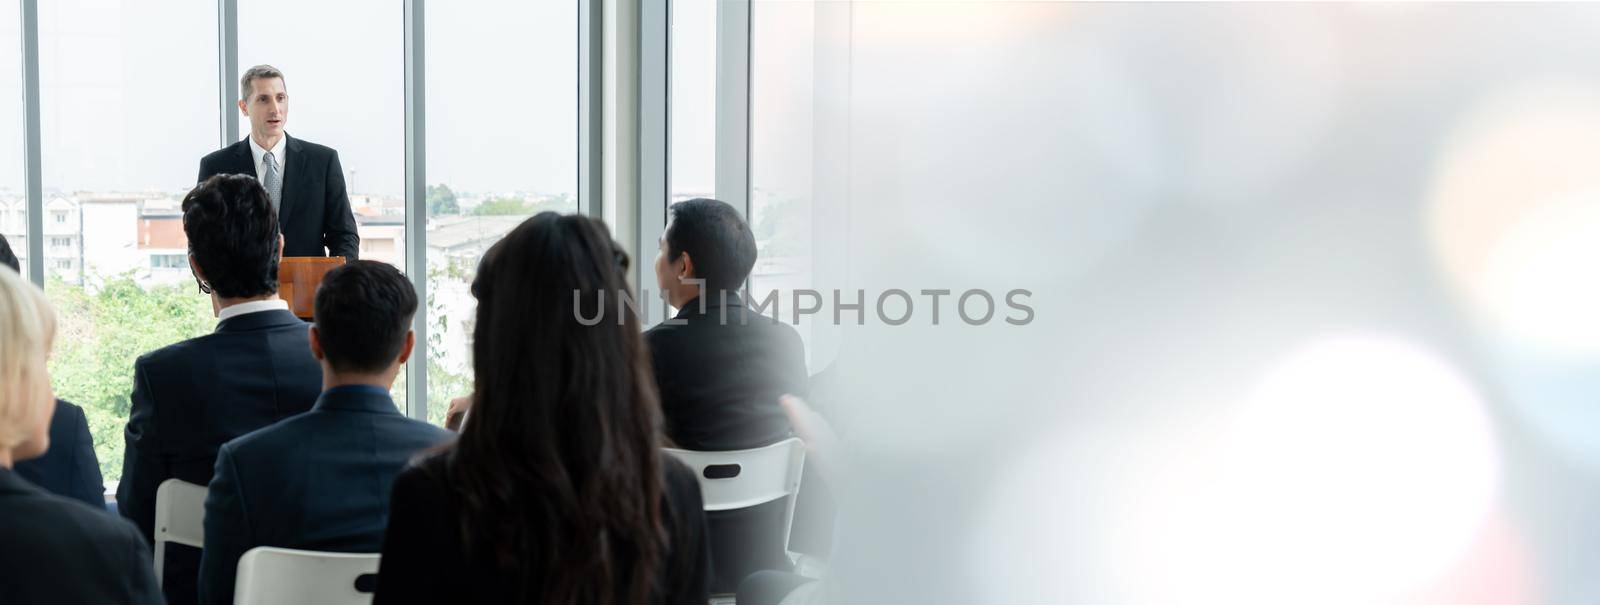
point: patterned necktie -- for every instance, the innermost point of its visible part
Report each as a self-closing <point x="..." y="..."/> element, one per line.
<point x="273" y="181"/>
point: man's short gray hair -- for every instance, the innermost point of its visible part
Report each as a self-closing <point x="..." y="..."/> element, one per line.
<point x="261" y="72"/>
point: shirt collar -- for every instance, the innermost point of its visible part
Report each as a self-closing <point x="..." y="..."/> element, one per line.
<point x="256" y="151"/>
<point x="254" y="306"/>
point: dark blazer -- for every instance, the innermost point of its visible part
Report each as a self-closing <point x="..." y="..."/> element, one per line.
<point x="70" y="468"/>
<point x="423" y="560"/>
<point x="315" y="217"/>
<point x="317" y="481"/>
<point x="721" y="373"/>
<point x="191" y="397"/>
<point x="56" y="550"/>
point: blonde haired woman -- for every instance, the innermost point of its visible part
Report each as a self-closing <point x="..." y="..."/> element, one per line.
<point x="52" y="550"/>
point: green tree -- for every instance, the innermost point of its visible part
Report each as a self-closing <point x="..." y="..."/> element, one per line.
<point x="102" y="330"/>
<point x="446" y="380"/>
<point x="441" y="200"/>
<point x="100" y="333"/>
<point x="503" y="206"/>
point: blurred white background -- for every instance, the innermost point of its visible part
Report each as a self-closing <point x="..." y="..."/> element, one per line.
<point x="1318" y="319"/>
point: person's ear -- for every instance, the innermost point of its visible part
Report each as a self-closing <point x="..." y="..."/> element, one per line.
<point x="242" y="106"/>
<point x="406" y="347"/>
<point x="194" y="267"/>
<point x="280" y="246"/>
<point x="688" y="267"/>
<point x="316" y="343"/>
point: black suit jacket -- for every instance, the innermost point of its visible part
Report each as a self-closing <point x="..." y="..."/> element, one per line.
<point x="191" y="397"/>
<point x="721" y="373"/>
<point x="317" y="481"/>
<point x="424" y="560"/>
<point x="70" y="468"/>
<point x="315" y="217"/>
<point x="57" y="550"/>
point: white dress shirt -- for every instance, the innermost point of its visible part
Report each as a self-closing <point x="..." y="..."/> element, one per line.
<point x="254" y="306"/>
<point x="279" y="152"/>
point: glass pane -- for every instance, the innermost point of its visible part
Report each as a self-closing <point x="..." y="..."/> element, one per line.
<point x="354" y="104"/>
<point x="493" y="159"/>
<point x="782" y="102"/>
<point x="125" y="117"/>
<point x="692" y="81"/>
<point x="13" y="205"/>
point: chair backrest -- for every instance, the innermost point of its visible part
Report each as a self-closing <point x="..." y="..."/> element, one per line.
<point x="745" y="478"/>
<point x="284" y="576"/>
<point x="180" y="518"/>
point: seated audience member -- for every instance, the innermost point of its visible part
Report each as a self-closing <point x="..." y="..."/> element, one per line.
<point x="722" y="369"/>
<point x="321" y="480"/>
<point x="255" y="369"/>
<point x="70" y="468"/>
<point x="556" y="490"/>
<point x="52" y="549"/>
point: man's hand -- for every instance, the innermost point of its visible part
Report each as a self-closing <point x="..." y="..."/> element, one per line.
<point x="457" y="413"/>
<point x="822" y="444"/>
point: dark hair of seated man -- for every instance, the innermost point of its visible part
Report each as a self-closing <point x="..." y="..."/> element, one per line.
<point x="363" y="313"/>
<point x="717" y="240"/>
<point x="233" y="237"/>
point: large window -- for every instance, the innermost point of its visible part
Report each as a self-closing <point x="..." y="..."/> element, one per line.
<point x="783" y="160"/>
<point x="343" y="66"/>
<point x="692" y="85"/>
<point x="13" y="202"/>
<point x="781" y="98"/>
<point x="502" y="146"/>
<point x="129" y="103"/>
<point x="125" y="116"/>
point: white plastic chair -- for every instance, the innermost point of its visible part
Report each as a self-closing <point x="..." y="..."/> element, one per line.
<point x="744" y="478"/>
<point x="180" y="518"/>
<point x="284" y="576"/>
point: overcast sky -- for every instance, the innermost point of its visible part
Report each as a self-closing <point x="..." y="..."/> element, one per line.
<point x="129" y="90"/>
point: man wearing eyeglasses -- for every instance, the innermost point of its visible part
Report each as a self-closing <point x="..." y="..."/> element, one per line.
<point x="303" y="179"/>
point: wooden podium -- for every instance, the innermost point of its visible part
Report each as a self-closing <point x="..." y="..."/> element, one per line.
<point x="298" y="278"/>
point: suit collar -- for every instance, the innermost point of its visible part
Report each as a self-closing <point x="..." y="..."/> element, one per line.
<point x="294" y="180"/>
<point x="11" y="483"/>
<point x="355" y="400"/>
<point x="260" y="320"/>
<point x="244" y="144"/>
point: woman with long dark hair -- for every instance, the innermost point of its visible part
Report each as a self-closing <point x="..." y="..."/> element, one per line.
<point x="556" y="491"/>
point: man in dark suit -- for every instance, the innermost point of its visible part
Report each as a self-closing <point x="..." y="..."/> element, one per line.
<point x="255" y="369"/>
<point x="303" y="179"/>
<point x="321" y="480"/>
<point x="59" y="551"/>
<point x="70" y="467"/>
<point x="721" y="367"/>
